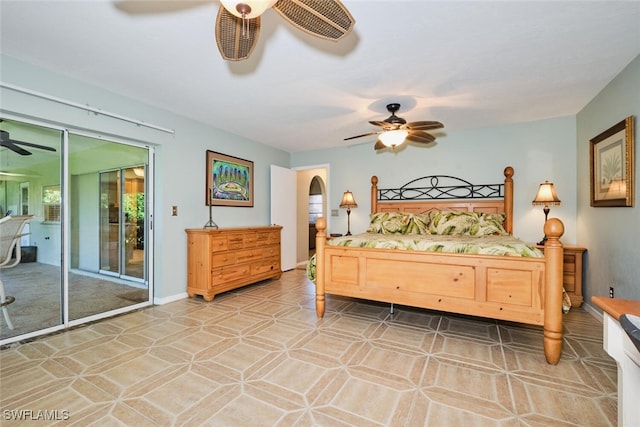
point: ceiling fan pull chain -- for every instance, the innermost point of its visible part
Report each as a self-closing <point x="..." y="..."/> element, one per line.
<point x="244" y="26"/>
<point x="244" y="9"/>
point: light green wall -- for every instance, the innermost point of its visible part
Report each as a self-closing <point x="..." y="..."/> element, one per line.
<point x="610" y="234"/>
<point x="541" y="150"/>
<point x="180" y="158"/>
<point x="538" y="151"/>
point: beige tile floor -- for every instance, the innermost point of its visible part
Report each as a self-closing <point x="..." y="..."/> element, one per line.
<point x="259" y="357"/>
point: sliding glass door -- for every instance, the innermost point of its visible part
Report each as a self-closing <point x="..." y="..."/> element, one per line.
<point x="89" y="242"/>
<point x="122" y="222"/>
<point x="109" y="226"/>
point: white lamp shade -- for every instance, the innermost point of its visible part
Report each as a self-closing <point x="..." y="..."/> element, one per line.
<point x="392" y="138"/>
<point x="257" y="7"/>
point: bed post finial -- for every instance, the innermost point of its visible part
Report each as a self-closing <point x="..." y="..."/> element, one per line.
<point x="508" y="172"/>
<point x="553" y="254"/>
<point x="374" y="194"/>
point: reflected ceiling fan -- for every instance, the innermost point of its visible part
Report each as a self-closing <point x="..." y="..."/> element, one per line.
<point x="238" y="22"/>
<point x="13" y="145"/>
<point x="395" y="130"/>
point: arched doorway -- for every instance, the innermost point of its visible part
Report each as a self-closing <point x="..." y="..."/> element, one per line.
<point x="316" y="209"/>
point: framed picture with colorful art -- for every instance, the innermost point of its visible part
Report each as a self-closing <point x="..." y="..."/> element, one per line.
<point x="229" y="180"/>
<point x="611" y="166"/>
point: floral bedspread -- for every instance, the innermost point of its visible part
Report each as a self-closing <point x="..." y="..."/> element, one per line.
<point x="481" y="245"/>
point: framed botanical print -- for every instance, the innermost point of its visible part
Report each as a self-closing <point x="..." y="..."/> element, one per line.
<point x="229" y="180"/>
<point x="611" y="166"/>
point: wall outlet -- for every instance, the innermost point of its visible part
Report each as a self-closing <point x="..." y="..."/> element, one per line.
<point x="610" y="291"/>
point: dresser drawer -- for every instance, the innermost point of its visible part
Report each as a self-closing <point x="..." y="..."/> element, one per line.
<point x="222" y="259"/>
<point x="270" y="251"/>
<point x="236" y="241"/>
<point x="227" y="274"/>
<point x="266" y="265"/>
<point x="248" y="255"/>
<point x="219" y="244"/>
<point x="250" y="240"/>
<point x="274" y="238"/>
<point x="267" y="238"/>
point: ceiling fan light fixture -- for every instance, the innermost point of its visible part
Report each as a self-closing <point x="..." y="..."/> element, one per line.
<point x="393" y="138"/>
<point x="247" y="9"/>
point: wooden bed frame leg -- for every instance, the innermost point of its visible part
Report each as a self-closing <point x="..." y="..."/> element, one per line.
<point x="553" y="254"/>
<point x="321" y="240"/>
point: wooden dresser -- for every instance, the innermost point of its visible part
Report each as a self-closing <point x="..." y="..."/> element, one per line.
<point x="219" y="260"/>
<point x="572" y="273"/>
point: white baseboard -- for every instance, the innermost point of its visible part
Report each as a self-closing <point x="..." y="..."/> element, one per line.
<point x="592" y="311"/>
<point x="171" y="298"/>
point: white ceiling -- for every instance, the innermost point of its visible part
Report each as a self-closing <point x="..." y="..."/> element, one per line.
<point x="467" y="64"/>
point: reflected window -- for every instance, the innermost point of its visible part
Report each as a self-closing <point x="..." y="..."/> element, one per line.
<point x="51" y="197"/>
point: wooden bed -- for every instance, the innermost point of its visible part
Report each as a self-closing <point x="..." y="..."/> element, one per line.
<point x="518" y="289"/>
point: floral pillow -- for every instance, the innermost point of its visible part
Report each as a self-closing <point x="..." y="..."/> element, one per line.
<point x="398" y="223"/>
<point x="467" y="223"/>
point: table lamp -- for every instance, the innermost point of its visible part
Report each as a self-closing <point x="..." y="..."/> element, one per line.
<point x="546" y="197"/>
<point x="348" y="202"/>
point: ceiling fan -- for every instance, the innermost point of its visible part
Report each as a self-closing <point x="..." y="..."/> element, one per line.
<point x="395" y="130"/>
<point x="13" y="145"/>
<point x="238" y="22"/>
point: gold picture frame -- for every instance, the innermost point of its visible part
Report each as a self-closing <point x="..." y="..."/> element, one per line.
<point x="229" y="180"/>
<point x="611" y="166"/>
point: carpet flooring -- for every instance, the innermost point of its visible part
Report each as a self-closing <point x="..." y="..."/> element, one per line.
<point x="37" y="290"/>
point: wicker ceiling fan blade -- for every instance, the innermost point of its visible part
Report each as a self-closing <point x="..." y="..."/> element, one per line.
<point x="420" y="137"/>
<point x="427" y="125"/>
<point x="360" y="136"/>
<point x="327" y="19"/>
<point x="236" y="37"/>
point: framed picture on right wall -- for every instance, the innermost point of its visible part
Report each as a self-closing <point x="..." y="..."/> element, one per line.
<point x="611" y="166"/>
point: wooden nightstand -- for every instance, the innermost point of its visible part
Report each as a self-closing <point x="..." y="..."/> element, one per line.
<point x="572" y="272"/>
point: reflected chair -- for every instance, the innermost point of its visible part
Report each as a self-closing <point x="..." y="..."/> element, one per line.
<point x="10" y="233"/>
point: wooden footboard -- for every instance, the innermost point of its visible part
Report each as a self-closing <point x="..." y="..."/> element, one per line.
<point x="526" y="290"/>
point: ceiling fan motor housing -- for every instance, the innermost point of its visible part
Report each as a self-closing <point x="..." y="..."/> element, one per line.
<point x="392" y="108"/>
